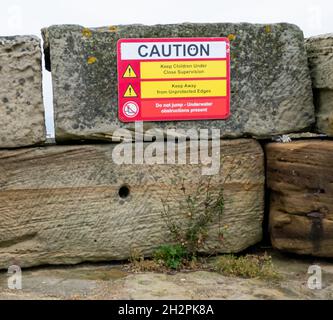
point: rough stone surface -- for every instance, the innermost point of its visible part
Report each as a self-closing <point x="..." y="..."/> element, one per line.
<point x="300" y="177"/>
<point x="320" y="55"/>
<point x="21" y="103"/>
<point x="320" y="52"/>
<point x="61" y="205"/>
<point x="270" y="83"/>
<point x="109" y="282"/>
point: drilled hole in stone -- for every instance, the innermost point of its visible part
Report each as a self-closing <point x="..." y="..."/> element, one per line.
<point x="124" y="192"/>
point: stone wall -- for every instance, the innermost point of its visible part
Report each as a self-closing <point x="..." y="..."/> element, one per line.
<point x="66" y="204"/>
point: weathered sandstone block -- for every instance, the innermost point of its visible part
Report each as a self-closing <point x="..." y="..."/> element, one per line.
<point x="320" y="54"/>
<point x="21" y="103"/>
<point x="300" y="177"/>
<point x="270" y="83"/>
<point x="69" y="204"/>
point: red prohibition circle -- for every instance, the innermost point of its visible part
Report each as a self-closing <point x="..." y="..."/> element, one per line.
<point x="131" y="109"/>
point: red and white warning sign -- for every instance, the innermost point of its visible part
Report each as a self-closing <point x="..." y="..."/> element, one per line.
<point x="173" y="79"/>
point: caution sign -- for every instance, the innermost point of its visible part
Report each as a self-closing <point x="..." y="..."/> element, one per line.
<point x="173" y="79"/>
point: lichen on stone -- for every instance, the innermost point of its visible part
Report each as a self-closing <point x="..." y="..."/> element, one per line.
<point x="113" y="29"/>
<point x="91" y="60"/>
<point x="268" y="29"/>
<point x="231" y="37"/>
<point x="86" y="32"/>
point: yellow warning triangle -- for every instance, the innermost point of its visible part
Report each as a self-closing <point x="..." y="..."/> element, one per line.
<point x="130" y="73"/>
<point x="130" y="93"/>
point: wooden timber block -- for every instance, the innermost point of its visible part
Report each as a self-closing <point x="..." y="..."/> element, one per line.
<point x="300" y="177"/>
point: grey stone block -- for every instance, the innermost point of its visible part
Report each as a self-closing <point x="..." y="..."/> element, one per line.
<point x="21" y="104"/>
<point x="320" y="54"/>
<point x="270" y="83"/>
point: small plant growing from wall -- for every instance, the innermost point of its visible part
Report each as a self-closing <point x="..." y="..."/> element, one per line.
<point x="172" y="256"/>
<point x="200" y="210"/>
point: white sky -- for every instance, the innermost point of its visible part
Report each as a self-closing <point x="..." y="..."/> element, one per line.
<point x="29" y="16"/>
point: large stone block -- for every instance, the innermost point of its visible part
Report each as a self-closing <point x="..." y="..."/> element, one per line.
<point x="320" y="54"/>
<point x="69" y="204"/>
<point x="21" y="103"/>
<point x="270" y="83"/>
<point x="300" y="177"/>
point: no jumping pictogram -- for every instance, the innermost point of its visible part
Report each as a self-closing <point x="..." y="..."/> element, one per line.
<point x="131" y="109"/>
